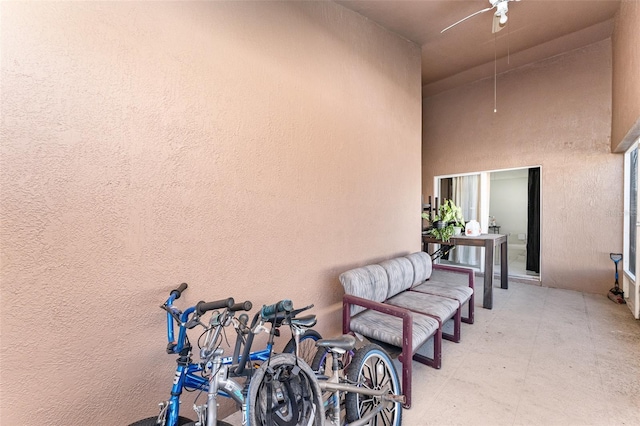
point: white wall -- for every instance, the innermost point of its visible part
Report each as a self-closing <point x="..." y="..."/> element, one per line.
<point x="508" y="202"/>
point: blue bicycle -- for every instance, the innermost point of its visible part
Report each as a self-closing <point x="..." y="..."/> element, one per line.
<point x="214" y="374"/>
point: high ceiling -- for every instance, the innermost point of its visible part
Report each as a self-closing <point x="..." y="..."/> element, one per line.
<point x="536" y="29"/>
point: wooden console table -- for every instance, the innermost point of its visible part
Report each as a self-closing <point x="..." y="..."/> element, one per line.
<point x="489" y="242"/>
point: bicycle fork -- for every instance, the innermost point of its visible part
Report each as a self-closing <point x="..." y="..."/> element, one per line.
<point x="169" y="409"/>
<point x="219" y="382"/>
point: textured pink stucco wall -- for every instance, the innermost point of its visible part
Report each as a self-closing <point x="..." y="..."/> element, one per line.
<point x="625" y="127"/>
<point x="254" y="150"/>
<point x="556" y="114"/>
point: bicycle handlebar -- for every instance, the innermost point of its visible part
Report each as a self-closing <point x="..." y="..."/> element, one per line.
<point x="244" y="306"/>
<point x="295" y="312"/>
<point x="178" y="291"/>
<point x="278" y="318"/>
<point x="202" y="307"/>
<point x="285" y="305"/>
<point x="275" y="314"/>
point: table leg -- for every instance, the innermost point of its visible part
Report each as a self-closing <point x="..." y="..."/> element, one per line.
<point x="504" y="266"/>
<point x="487" y="301"/>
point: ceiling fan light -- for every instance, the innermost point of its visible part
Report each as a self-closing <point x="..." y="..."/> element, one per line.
<point x="503" y="19"/>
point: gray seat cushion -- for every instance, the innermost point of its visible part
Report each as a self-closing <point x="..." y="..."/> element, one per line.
<point x="399" y="274"/>
<point x="459" y="293"/>
<point x="368" y="282"/>
<point x="441" y="307"/>
<point x="388" y="329"/>
<point x="453" y="285"/>
<point x="449" y="277"/>
<point x="422" y="267"/>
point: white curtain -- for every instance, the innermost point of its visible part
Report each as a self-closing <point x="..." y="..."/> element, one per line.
<point x="466" y="195"/>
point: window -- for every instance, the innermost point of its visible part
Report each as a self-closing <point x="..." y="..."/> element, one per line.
<point x="631" y="209"/>
<point x="630" y="284"/>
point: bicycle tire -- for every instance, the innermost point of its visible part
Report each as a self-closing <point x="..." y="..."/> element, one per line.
<point x="372" y="367"/>
<point x="295" y="393"/>
<point x="307" y="349"/>
<point x="220" y="423"/>
<point x="151" y="421"/>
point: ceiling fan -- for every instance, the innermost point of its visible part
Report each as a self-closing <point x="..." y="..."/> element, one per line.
<point x="499" y="17"/>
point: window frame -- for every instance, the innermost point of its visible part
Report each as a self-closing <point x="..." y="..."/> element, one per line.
<point x="630" y="240"/>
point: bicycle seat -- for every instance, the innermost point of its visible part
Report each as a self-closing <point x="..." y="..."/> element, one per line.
<point x="346" y="342"/>
<point x="307" y="321"/>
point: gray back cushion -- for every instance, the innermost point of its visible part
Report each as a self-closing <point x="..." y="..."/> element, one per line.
<point x="369" y="282"/>
<point x="400" y="273"/>
<point x="422" y="267"/>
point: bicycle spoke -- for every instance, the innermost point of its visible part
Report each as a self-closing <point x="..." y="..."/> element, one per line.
<point x="375" y="371"/>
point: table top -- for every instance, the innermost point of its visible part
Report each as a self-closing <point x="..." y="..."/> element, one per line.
<point x="468" y="240"/>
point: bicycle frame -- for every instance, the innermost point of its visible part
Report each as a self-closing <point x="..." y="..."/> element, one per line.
<point x="187" y="372"/>
<point x="184" y="375"/>
<point x="335" y="388"/>
<point x="264" y="354"/>
<point x="219" y="382"/>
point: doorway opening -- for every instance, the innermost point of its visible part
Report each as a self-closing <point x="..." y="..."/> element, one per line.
<point x="503" y="202"/>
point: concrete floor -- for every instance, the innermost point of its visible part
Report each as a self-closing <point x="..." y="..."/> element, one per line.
<point x="541" y="356"/>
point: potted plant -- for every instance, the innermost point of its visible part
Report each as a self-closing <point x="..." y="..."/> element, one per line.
<point x="426" y="221"/>
<point x="447" y="222"/>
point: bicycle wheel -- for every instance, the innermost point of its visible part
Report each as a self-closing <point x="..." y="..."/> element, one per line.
<point x="151" y="421"/>
<point x="284" y="391"/>
<point x="372" y="368"/>
<point x="220" y="423"/>
<point x="307" y="346"/>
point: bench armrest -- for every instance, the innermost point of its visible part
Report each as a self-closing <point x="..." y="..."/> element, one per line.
<point x="457" y="270"/>
<point x="396" y="311"/>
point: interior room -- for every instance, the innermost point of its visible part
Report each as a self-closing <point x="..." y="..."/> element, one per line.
<point x="257" y="150"/>
<point x="508" y="215"/>
<point x="511" y="199"/>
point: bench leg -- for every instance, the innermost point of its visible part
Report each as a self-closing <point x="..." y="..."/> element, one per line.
<point x="455" y="337"/>
<point x="436" y="361"/>
<point x="406" y="379"/>
<point x="346" y="318"/>
<point x="405" y="357"/>
<point x="469" y="318"/>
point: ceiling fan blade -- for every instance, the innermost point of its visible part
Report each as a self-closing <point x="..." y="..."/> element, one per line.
<point x="470" y="16"/>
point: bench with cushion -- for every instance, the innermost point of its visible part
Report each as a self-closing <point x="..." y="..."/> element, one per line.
<point x="443" y="280"/>
<point x="396" y="302"/>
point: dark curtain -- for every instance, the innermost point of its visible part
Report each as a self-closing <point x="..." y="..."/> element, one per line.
<point x="533" y="222"/>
